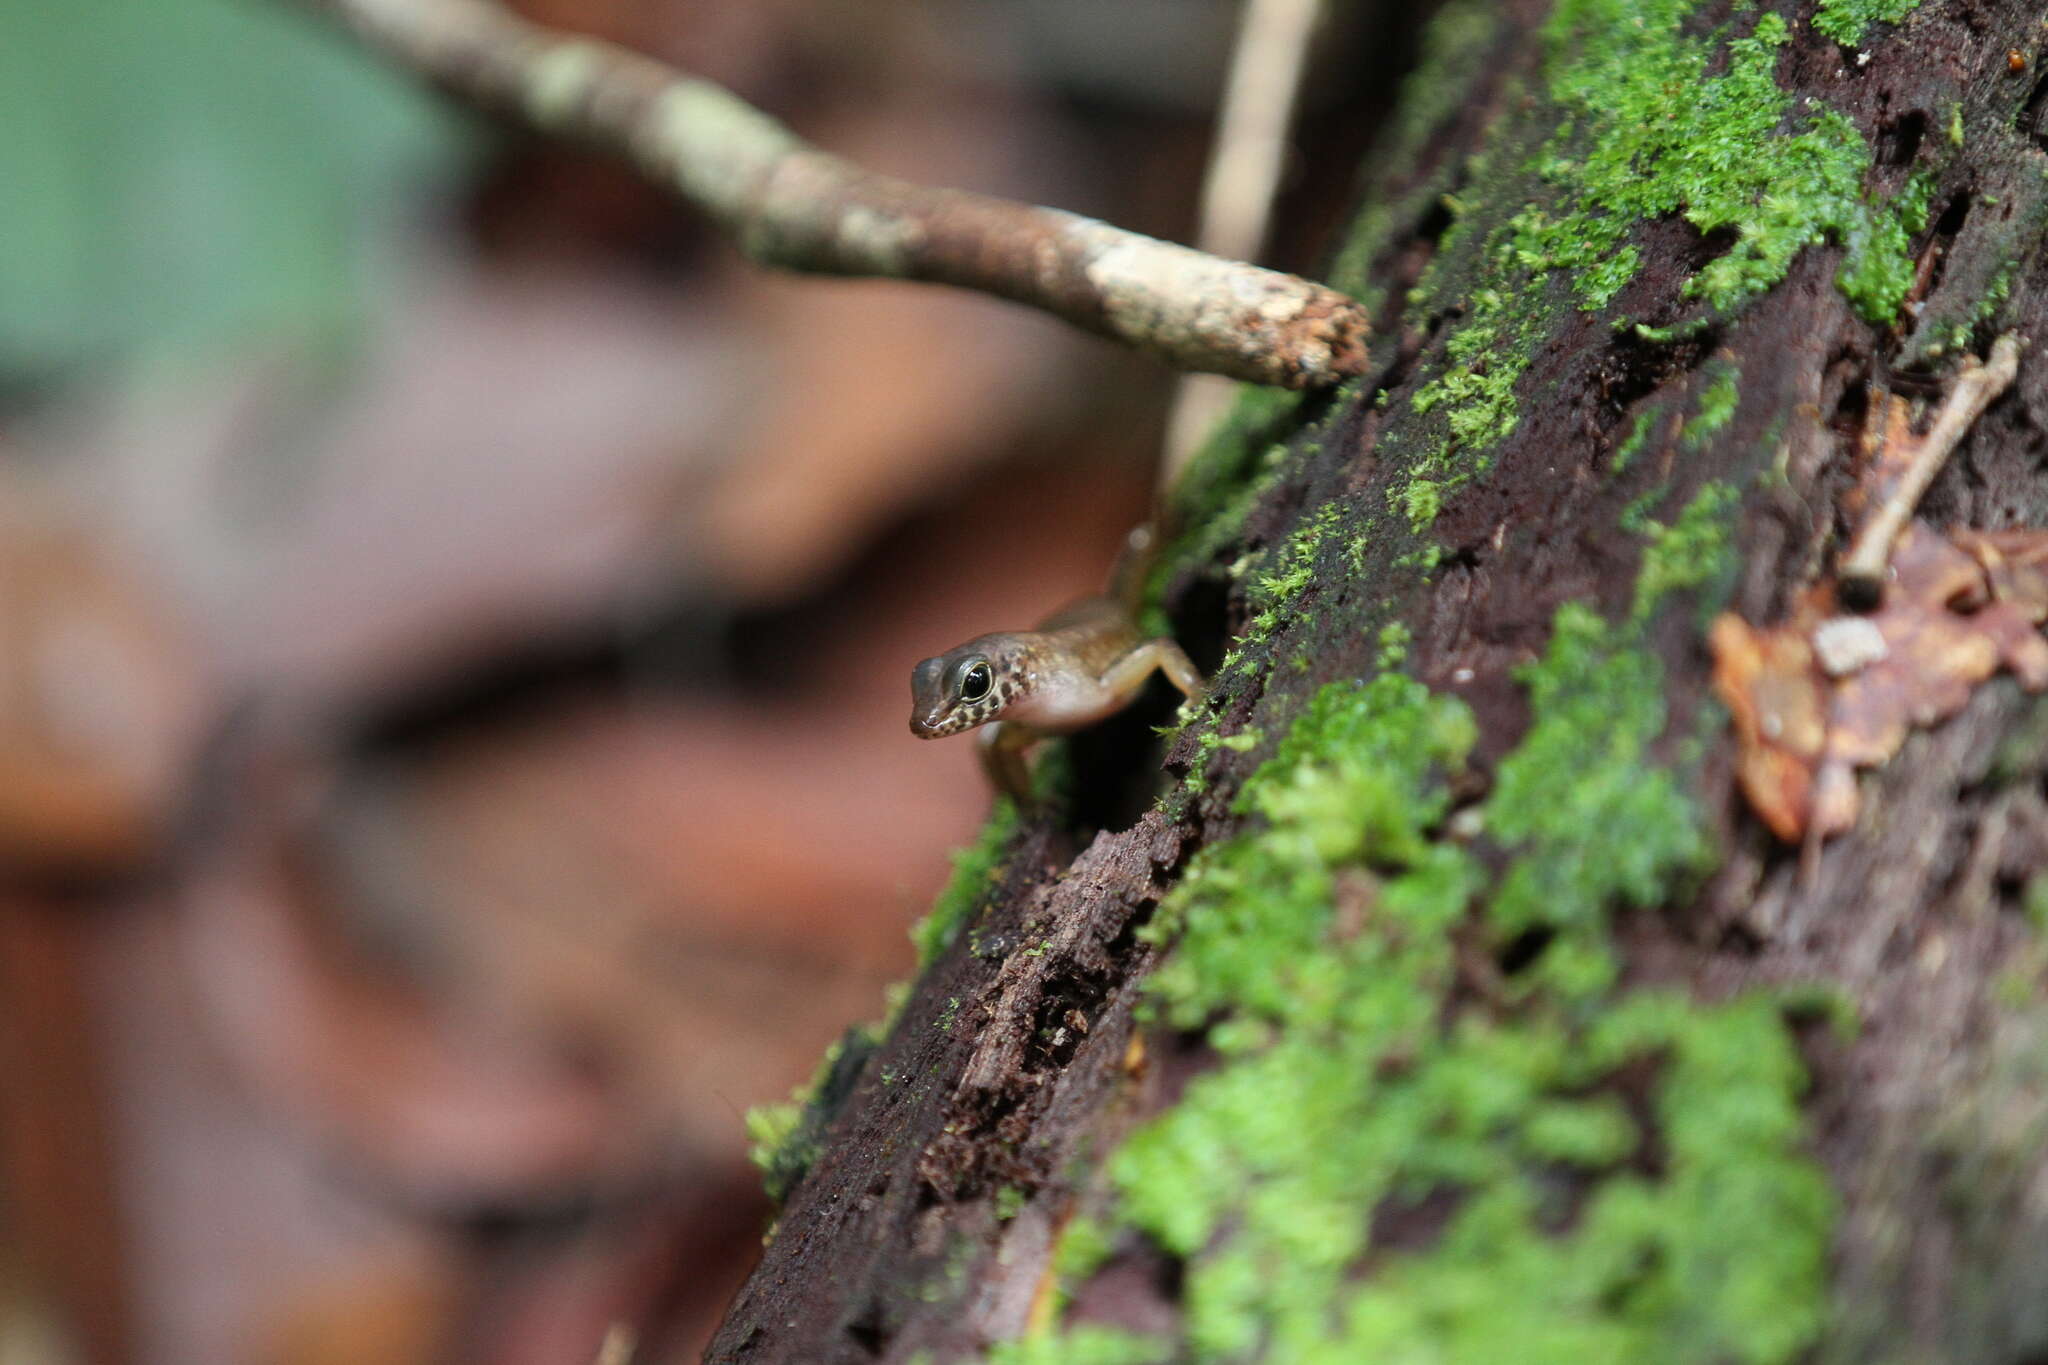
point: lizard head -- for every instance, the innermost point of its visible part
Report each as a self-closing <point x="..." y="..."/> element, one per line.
<point x="964" y="687"/>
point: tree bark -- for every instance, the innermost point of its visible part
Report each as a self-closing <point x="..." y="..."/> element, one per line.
<point x="1670" y="1095"/>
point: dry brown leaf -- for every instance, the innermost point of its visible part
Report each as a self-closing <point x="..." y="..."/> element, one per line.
<point x="1957" y="610"/>
<point x="1777" y="695"/>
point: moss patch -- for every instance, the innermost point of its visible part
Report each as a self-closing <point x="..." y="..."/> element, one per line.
<point x="1956" y="333"/>
<point x="1730" y="154"/>
<point x="1633" y="443"/>
<point x="1225" y="479"/>
<point x="1715" y="154"/>
<point x="1271" y="594"/>
<point x="1845" y="20"/>
<point x="1274" y="580"/>
<point x="967" y="889"/>
<point x="784" y="1139"/>
<point x="769" y="1130"/>
<point x="1695" y="551"/>
<point x="1422" y="499"/>
<point x="1718" y="401"/>
<point x="1597" y="824"/>
<point x="1082" y="1346"/>
<point x="1318" y="952"/>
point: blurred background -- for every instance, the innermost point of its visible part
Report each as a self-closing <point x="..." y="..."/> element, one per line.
<point x="455" y="622"/>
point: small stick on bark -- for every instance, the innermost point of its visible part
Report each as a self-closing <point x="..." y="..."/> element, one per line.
<point x="1863" y="571"/>
<point x="788" y="204"/>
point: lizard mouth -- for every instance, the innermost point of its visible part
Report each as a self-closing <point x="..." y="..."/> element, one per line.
<point x="938" y="724"/>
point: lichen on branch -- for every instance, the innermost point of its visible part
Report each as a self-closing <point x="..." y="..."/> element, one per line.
<point x="788" y="204"/>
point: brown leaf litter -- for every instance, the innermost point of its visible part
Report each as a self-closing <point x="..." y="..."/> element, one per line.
<point x="1828" y="691"/>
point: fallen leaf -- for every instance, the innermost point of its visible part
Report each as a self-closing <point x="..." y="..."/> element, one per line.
<point x="1776" y="694"/>
<point x="1958" y="609"/>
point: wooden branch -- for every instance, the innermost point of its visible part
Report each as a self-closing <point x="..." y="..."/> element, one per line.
<point x="788" y="204"/>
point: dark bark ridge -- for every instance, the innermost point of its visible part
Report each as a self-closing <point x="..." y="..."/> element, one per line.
<point x="1504" y="893"/>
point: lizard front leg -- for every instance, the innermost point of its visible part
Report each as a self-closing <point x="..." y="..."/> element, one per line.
<point x="1002" y="758"/>
<point x="1128" y="674"/>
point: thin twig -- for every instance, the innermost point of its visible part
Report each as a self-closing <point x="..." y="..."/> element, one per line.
<point x="1259" y="99"/>
<point x="1258" y="109"/>
<point x="788" y="204"/>
<point x="1863" y="571"/>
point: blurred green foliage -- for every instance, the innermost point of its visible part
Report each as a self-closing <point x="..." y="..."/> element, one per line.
<point x="178" y="176"/>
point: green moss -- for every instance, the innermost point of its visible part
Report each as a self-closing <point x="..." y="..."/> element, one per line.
<point x="1714" y="153"/>
<point x="1395" y="637"/>
<point x="1082" y="1346"/>
<point x="1593" y="1133"/>
<point x="1317" y="953"/>
<point x="1649" y="127"/>
<point x="1635" y="518"/>
<point x="1236" y="469"/>
<point x="784" y="1139"/>
<point x="1632" y="444"/>
<point x="967" y="889"/>
<point x="1947" y="334"/>
<point x="1596" y="823"/>
<point x="1695" y="551"/>
<point x="1718" y="401"/>
<point x="1220" y="468"/>
<point x="1422" y="559"/>
<point x="2034" y="902"/>
<point x="1275" y="580"/>
<point x="1421" y="500"/>
<point x="1479" y="399"/>
<point x="1270" y="595"/>
<point x="1877" y="272"/>
<point x="1207" y="741"/>
<point x="1845" y="20"/>
<point x="1008" y="1203"/>
<point x="769" y="1129"/>
<point x="1288" y="570"/>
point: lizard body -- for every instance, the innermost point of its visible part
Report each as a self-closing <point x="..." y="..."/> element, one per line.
<point x="1081" y="665"/>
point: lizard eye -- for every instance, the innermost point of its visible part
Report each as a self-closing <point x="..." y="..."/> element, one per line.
<point x="975" y="683"/>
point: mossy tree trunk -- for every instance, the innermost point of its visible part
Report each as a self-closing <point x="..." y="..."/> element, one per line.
<point x="1449" y="1005"/>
